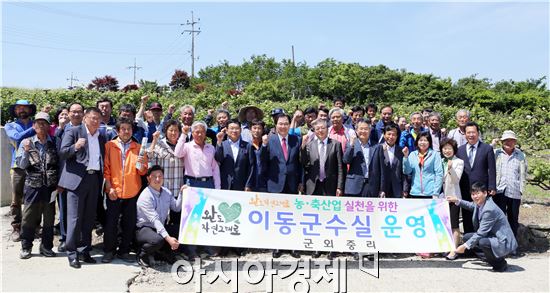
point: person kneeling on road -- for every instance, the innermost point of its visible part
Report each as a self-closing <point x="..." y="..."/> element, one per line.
<point x="153" y="205"/>
<point x="493" y="234"/>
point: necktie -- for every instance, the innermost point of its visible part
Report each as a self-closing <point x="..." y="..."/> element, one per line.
<point x="471" y="156"/>
<point x="285" y="150"/>
<point x="322" y="160"/>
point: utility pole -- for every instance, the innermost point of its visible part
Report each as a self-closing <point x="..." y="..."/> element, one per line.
<point x="293" y="63"/>
<point x="71" y="80"/>
<point x="135" y="68"/>
<point x="192" y="32"/>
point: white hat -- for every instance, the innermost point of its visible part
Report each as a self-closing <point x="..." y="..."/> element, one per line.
<point x="42" y="116"/>
<point x="508" y="134"/>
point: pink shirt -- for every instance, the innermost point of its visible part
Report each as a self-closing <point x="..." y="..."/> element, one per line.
<point x="339" y="135"/>
<point x="198" y="162"/>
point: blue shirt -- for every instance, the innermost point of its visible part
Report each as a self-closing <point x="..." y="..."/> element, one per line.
<point x="17" y="131"/>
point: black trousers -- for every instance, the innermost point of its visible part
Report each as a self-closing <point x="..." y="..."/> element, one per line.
<point x="37" y="209"/>
<point x="150" y="242"/>
<point x="485" y="245"/>
<point x="321" y="189"/>
<point x="510" y="207"/>
<point x="81" y="211"/>
<point x="125" y="210"/>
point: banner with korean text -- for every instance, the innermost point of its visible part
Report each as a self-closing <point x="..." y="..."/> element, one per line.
<point x="317" y="223"/>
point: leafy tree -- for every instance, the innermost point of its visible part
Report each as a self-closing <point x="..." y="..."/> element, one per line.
<point x="180" y="80"/>
<point x="149" y="87"/>
<point x="129" y="87"/>
<point x="104" y="84"/>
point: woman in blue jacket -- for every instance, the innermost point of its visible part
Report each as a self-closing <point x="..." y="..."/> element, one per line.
<point x="425" y="168"/>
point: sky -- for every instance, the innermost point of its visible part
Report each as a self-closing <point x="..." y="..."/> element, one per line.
<point x="43" y="43"/>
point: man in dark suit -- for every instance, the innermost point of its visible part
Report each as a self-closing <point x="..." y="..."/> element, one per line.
<point x="236" y="159"/>
<point x="387" y="166"/>
<point x="359" y="155"/>
<point x="322" y="161"/>
<point x="479" y="166"/>
<point x="237" y="163"/>
<point x="281" y="155"/>
<point x="493" y="234"/>
<point x="83" y="149"/>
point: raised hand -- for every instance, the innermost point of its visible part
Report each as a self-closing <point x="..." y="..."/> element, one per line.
<point x="171" y="108"/>
<point x="26" y="144"/>
<point x="79" y="143"/>
<point x="144" y="99"/>
<point x="405" y="152"/>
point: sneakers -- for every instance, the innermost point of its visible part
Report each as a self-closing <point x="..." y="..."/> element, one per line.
<point x="25" y="253"/>
<point x="46" y="252"/>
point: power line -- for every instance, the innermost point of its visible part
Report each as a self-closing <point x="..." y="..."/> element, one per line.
<point x="192" y="32"/>
<point x="43" y="8"/>
<point x="84" y="50"/>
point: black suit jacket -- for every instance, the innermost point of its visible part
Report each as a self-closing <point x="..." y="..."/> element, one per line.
<point x="76" y="162"/>
<point x="240" y="174"/>
<point x="334" y="167"/>
<point x="483" y="170"/>
<point x="280" y="172"/>
<point x="358" y="168"/>
<point x="386" y="178"/>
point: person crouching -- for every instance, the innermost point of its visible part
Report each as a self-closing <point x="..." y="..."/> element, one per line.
<point x="493" y="234"/>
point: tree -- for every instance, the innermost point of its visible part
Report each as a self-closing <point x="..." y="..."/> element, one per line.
<point x="149" y="87"/>
<point x="129" y="87"/>
<point x="180" y="80"/>
<point x="103" y="84"/>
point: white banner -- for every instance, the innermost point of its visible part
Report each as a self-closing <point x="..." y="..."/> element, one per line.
<point x="318" y="223"/>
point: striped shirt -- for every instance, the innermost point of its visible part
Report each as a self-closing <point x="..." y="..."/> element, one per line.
<point x="511" y="172"/>
<point x="164" y="156"/>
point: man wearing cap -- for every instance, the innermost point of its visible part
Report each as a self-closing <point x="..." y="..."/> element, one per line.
<point x="511" y="168"/>
<point x="152" y="121"/>
<point x="37" y="156"/>
<point x="18" y="130"/>
<point x="275" y="113"/>
<point x="246" y="115"/>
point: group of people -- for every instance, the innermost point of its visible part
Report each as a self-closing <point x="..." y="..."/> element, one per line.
<point x="124" y="175"/>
